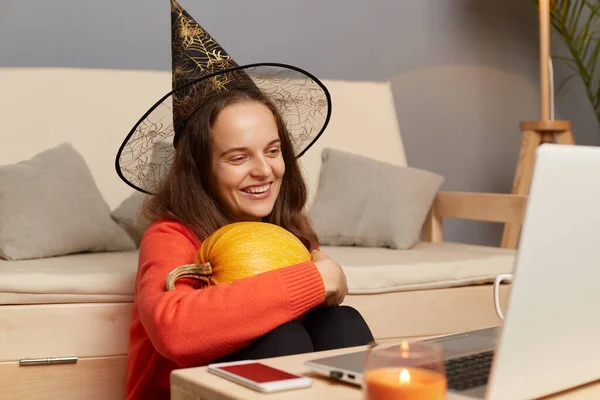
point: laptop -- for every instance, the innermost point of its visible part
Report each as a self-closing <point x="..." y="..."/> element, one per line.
<point x="549" y="341"/>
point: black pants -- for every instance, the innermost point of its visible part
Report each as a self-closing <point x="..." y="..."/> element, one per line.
<point x="323" y="328"/>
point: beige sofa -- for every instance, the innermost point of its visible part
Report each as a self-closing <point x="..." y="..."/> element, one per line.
<point x="79" y="305"/>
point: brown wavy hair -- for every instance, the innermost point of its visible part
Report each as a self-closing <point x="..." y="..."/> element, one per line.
<point x="186" y="194"/>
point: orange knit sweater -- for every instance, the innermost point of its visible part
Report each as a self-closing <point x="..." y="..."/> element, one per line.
<point x="188" y="327"/>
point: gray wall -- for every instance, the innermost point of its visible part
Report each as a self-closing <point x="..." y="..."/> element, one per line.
<point x="464" y="72"/>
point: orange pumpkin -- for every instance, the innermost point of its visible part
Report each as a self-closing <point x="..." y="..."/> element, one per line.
<point x="240" y="250"/>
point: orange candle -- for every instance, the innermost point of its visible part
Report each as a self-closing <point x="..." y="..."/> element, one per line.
<point x="404" y="384"/>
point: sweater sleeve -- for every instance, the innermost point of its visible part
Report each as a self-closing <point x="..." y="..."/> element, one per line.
<point x="193" y="326"/>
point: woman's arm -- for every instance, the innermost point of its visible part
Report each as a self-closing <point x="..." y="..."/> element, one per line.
<point x="193" y="327"/>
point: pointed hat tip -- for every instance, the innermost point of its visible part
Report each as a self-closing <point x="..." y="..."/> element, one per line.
<point x="175" y="6"/>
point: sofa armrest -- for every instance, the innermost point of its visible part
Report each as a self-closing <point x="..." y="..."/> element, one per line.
<point x="489" y="207"/>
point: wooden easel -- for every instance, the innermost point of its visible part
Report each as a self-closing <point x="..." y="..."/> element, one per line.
<point x="545" y="130"/>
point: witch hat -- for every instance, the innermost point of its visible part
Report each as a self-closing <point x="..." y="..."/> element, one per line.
<point x="202" y="68"/>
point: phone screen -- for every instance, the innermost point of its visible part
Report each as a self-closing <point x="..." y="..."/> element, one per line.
<point x="257" y="372"/>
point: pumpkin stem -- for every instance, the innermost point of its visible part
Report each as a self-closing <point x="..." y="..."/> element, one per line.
<point x="196" y="271"/>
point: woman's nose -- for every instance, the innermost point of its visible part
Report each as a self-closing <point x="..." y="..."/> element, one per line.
<point x="261" y="167"/>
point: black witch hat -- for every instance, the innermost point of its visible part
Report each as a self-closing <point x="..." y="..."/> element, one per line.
<point x="202" y="68"/>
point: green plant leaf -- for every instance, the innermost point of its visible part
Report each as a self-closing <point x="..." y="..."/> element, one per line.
<point x="568" y="61"/>
<point x="564" y="83"/>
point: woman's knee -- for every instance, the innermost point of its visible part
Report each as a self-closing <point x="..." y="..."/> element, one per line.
<point x="348" y="313"/>
<point x="336" y="327"/>
<point x="289" y="333"/>
<point x="344" y="315"/>
<point x="287" y="339"/>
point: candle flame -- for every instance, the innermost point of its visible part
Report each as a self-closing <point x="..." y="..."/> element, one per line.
<point x="404" y="377"/>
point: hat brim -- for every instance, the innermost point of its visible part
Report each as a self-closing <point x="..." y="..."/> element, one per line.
<point x="146" y="154"/>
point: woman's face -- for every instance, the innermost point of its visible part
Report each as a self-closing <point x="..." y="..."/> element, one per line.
<point x="247" y="164"/>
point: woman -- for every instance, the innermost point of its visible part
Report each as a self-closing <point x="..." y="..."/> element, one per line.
<point x="234" y="162"/>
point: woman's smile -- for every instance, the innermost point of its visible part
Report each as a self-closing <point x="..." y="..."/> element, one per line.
<point x="258" y="192"/>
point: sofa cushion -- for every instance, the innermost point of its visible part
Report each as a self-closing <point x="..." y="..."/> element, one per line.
<point x="110" y="277"/>
<point x="86" y="277"/>
<point x="128" y="215"/>
<point x="365" y="202"/>
<point x="425" y="266"/>
<point x="51" y="206"/>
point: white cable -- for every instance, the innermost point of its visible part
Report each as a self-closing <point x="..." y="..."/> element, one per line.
<point x="497" y="282"/>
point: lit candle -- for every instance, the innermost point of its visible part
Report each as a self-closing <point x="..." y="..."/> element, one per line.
<point x="404" y="384"/>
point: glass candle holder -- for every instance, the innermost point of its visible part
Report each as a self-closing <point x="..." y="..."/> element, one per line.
<point x="405" y="372"/>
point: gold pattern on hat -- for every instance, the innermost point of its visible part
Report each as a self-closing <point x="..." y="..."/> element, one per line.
<point x="195" y="54"/>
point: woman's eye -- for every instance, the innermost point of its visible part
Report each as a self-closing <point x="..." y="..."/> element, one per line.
<point x="237" y="159"/>
<point x="274" y="151"/>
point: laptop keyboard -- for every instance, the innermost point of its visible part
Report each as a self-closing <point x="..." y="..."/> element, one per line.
<point x="469" y="371"/>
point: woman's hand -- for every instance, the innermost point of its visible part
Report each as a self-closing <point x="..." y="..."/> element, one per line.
<point x="334" y="279"/>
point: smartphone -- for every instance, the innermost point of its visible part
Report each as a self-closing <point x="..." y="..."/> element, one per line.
<point x="259" y="377"/>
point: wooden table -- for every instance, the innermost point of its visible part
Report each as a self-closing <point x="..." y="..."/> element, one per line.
<point x="199" y="384"/>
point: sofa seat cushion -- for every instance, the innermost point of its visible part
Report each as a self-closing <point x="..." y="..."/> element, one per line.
<point x="425" y="266"/>
<point x="109" y="277"/>
<point x="77" y="278"/>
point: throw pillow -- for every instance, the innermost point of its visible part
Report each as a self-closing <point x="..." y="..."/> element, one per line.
<point x="51" y="206"/>
<point x="128" y="215"/>
<point x="364" y="202"/>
